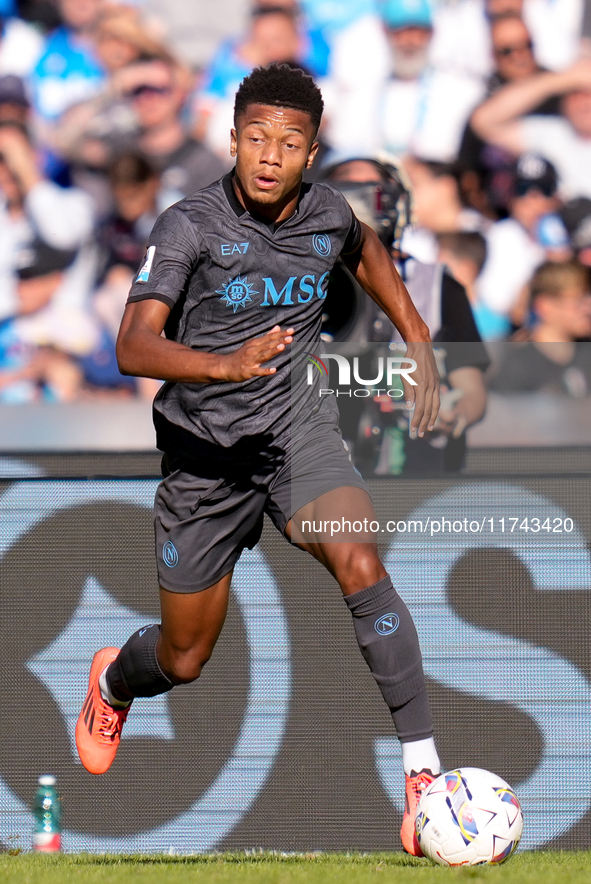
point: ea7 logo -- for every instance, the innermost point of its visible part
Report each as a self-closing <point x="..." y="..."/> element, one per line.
<point x="234" y="248"/>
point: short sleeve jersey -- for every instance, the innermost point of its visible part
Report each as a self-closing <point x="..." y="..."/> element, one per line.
<point x="229" y="277"/>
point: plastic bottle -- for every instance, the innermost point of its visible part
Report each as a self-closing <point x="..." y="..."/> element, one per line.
<point x="47" y="810"/>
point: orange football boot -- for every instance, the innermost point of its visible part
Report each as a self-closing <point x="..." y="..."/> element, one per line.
<point x="98" y="729"/>
<point x="416" y="784"/>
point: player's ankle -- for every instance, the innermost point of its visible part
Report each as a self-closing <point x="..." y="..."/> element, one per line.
<point x="419" y="755"/>
<point x="107" y="693"/>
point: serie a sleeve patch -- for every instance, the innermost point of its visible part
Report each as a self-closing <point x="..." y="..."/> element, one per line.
<point x="144" y="274"/>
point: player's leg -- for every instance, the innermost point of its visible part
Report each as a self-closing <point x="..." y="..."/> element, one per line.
<point x="384" y="629"/>
<point x="201" y="524"/>
<point x="151" y="662"/>
<point x="159" y="656"/>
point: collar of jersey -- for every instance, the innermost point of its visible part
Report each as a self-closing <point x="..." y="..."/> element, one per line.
<point x="239" y="209"/>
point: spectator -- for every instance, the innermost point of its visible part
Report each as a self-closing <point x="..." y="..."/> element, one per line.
<point x="556" y="31"/>
<point x="121" y="39"/>
<point x="20" y="44"/>
<point x="69" y="70"/>
<point x="438" y="207"/>
<point x="273" y="36"/>
<point x="462" y="37"/>
<point x="519" y="243"/>
<point x="551" y="359"/>
<point x="314" y="51"/>
<point x="81" y="139"/>
<point x="122" y="237"/>
<point x="464" y="254"/>
<point x="46" y="266"/>
<point x="29" y="374"/>
<point x="42" y="14"/>
<point x="513" y="53"/>
<point x="576" y="215"/>
<point x="443" y="305"/>
<point x="485" y="168"/>
<point x="565" y="140"/>
<point x="158" y="98"/>
<point x="358" y="68"/>
<point x="14" y="104"/>
<point x="424" y="109"/>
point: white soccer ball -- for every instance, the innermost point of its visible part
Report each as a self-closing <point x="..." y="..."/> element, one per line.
<point x="468" y="816"/>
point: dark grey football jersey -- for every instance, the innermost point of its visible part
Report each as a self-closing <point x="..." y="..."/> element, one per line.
<point x="230" y="277"/>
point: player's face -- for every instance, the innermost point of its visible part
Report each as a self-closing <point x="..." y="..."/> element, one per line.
<point x="272" y="146"/>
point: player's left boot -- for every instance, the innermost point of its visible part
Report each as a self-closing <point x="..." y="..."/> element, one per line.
<point x="416" y="784"/>
<point x="98" y="730"/>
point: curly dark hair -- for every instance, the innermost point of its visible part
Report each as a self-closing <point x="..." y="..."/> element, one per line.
<point x="280" y="85"/>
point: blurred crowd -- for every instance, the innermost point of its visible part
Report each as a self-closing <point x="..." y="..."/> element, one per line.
<point x="484" y="106"/>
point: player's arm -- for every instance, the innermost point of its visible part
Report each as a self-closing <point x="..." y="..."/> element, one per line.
<point x="143" y="351"/>
<point x="374" y="270"/>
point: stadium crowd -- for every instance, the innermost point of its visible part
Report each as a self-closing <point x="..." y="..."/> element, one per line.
<point x="484" y="104"/>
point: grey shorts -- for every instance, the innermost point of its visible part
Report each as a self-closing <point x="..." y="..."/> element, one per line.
<point x="204" y="517"/>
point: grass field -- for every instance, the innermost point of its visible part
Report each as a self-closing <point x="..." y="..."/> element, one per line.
<point x="525" y="868"/>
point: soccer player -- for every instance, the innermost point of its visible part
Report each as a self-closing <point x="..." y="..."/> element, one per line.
<point x="233" y="274"/>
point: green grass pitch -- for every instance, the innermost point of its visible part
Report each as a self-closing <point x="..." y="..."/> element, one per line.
<point x="544" y="867"/>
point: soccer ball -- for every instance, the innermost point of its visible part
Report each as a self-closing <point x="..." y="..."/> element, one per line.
<point x="467" y="817"/>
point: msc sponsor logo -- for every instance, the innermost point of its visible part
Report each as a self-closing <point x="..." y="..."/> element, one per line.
<point x="294" y="291"/>
<point x="387" y="624"/>
<point x="237" y="293"/>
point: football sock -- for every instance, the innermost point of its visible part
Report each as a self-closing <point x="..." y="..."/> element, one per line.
<point x="136" y="672"/>
<point x="106" y="694"/>
<point x="412" y="720"/>
<point x="389" y="643"/>
<point x="420" y="755"/>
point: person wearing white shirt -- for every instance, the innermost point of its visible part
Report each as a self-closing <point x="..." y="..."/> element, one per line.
<point x="21" y="46"/>
<point x="424" y="108"/>
<point x="38" y="216"/>
<point x="461" y="39"/>
<point x="358" y="67"/>
<point x="565" y="141"/>
<point x="517" y="244"/>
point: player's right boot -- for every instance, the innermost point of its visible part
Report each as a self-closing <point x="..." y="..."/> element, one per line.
<point x="416" y="784"/>
<point x="98" y="729"/>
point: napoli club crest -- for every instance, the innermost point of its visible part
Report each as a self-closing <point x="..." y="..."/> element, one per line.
<point x="322" y="244"/>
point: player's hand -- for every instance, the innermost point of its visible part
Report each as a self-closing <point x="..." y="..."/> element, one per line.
<point x="424" y="397"/>
<point x="247" y="361"/>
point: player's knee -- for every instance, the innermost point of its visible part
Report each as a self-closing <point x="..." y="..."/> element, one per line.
<point x="360" y="568"/>
<point x="184" y="666"/>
